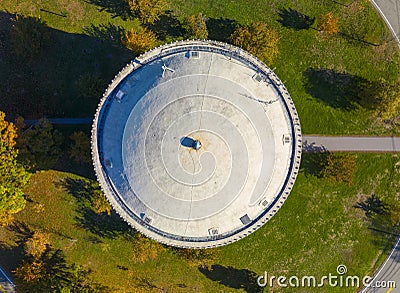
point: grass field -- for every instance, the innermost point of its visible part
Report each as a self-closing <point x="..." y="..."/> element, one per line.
<point x="316" y="230"/>
<point x="324" y="231"/>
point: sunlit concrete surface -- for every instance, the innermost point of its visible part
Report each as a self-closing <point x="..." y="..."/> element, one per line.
<point x="234" y="106"/>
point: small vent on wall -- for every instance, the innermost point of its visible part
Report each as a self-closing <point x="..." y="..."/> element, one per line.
<point x="108" y="163"/>
<point x="195" y="54"/>
<point x="147" y="220"/>
<point x="119" y="96"/>
<point x="286" y="139"/>
<point x="213" y="231"/>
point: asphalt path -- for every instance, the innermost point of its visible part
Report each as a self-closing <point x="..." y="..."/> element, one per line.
<point x="390" y="12"/>
<point x="315" y="143"/>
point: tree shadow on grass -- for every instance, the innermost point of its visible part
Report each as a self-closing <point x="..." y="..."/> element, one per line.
<point x="340" y="90"/>
<point x="313" y="162"/>
<point x="118" y="8"/>
<point x="11" y="256"/>
<point x="379" y="219"/>
<point x="167" y="26"/>
<point x="291" y="18"/>
<point x="233" y="278"/>
<point x="109" y="34"/>
<point x="102" y="225"/>
<point x="48" y="84"/>
<point x="220" y="29"/>
<point x="56" y="275"/>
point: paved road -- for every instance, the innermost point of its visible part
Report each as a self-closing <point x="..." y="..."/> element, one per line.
<point x="390" y="12"/>
<point x="351" y="143"/>
<point x="389" y="271"/>
<point x="6" y="285"/>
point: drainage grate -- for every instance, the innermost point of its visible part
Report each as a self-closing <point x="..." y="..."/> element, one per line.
<point x="264" y="202"/>
<point x="258" y="77"/>
<point x="245" y="219"/>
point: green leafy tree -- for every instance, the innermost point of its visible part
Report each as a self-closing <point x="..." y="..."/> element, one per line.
<point x="91" y="86"/>
<point x="13" y="176"/>
<point x="328" y="23"/>
<point x="80" y="149"/>
<point x="340" y="167"/>
<point x="40" y="146"/>
<point x="257" y="39"/>
<point x="148" y="11"/>
<point x="29" y="36"/>
<point x="140" y="40"/>
<point x="196" y="26"/>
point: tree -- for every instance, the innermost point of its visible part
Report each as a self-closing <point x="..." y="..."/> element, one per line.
<point x="148" y="10"/>
<point x="80" y="149"/>
<point x="13" y="176"/>
<point x="40" y="146"/>
<point x="100" y="202"/>
<point x="258" y="40"/>
<point x="29" y="35"/>
<point x="30" y="272"/>
<point x="388" y="98"/>
<point x="45" y="270"/>
<point x="37" y="244"/>
<point x="340" y="167"/>
<point x="196" y="26"/>
<point x="328" y="23"/>
<point x="145" y="249"/>
<point x="91" y="86"/>
<point x="140" y="40"/>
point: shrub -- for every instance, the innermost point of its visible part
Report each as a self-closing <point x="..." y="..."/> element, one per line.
<point x="148" y="10"/>
<point x="328" y="23"/>
<point x="258" y="40"/>
<point x="140" y="41"/>
<point x="196" y="26"/>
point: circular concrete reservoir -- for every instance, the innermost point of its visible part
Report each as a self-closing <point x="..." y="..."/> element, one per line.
<point x="196" y="143"/>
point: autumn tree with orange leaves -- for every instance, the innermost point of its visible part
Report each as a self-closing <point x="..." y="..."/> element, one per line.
<point x="13" y="176"/>
<point x="328" y="23"/>
<point x="140" y="40"/>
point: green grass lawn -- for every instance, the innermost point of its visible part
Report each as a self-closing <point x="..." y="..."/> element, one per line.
<point x="317" y="229"/>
